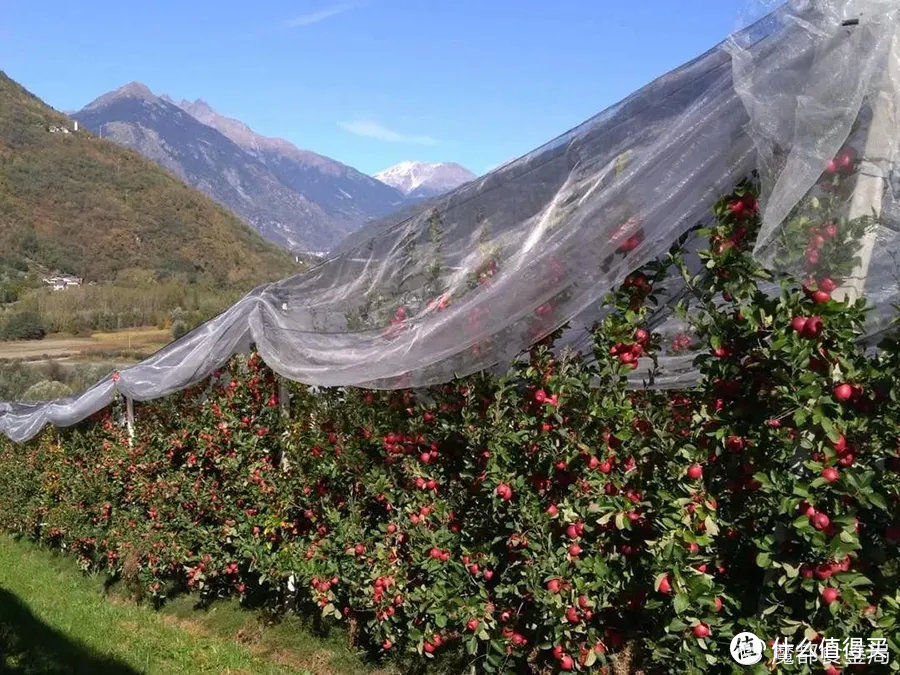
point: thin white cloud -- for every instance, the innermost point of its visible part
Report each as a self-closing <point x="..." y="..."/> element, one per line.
<point x="376" y="130"/>
<point x="320" y="15"/>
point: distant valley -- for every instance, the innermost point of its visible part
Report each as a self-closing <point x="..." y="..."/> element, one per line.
<point x="154" y="221"/>
<point x="146" y="249"/>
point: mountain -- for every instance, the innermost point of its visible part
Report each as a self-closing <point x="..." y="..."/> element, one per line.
<point x="345" y="194"/>
<point x="295" y="198"/>
<point x="204" y="158"/>
<point x="80" y="205"/>
<point x="420" y="180"/>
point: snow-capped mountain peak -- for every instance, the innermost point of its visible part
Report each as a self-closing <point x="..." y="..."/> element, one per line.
<point x="425" y="179"/>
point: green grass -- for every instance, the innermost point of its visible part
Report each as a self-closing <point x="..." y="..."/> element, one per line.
<point x="55" y="619"/>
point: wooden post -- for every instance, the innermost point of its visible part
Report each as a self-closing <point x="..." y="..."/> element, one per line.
<point x="875" y="164"/>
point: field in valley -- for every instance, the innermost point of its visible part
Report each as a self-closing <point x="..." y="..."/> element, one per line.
<point x="133" y="343"/>
<point x="59" y="365"/>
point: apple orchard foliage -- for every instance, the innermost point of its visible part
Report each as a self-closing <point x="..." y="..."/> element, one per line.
<point x="547" y="520"/>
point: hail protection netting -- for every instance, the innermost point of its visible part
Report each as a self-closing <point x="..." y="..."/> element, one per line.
<point x="475" y="277"/>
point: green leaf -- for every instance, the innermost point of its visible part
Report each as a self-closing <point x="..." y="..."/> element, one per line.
<point x="876" y="499"/>
<point x="828" y="427"/>
<point x="762" y="559"/>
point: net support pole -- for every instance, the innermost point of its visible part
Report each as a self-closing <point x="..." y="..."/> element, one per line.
<point x="871" y="181"/>
<point x="284" y="402"/>
<point x="284" y="398"/>
<point x="129" y="419"/>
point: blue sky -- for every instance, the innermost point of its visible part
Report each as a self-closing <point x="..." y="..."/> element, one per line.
<point x="370" y="82"/>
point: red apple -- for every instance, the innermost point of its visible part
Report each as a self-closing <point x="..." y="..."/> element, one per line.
<point x="845" y="161"/>
<point x="695" y="471"/>
<point x="813" y="327"/>
<point x="843" y="392"/>
<point x="504" y="491"/>
<point x="701" y="630"/>
<point x="566" y="662"/>
<point x="630" y="244"/>
<point x="664" y="585"/>
<point x="734" y="443"/>
<point x="823" y="571"/>
<point x="830" y="474"/>
<point x="830" y="594"/>
<point x="820" y="521"/>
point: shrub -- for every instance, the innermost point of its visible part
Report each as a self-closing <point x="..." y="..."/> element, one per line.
<point x="46" y="390"/>
<point x="179" y="329"/>
<point x="9" y="292"/>
<point x="24" y="326"/>
<point x="551" y="519"/>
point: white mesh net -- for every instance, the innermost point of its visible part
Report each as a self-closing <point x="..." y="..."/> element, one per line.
<point x="473" y="278"/>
